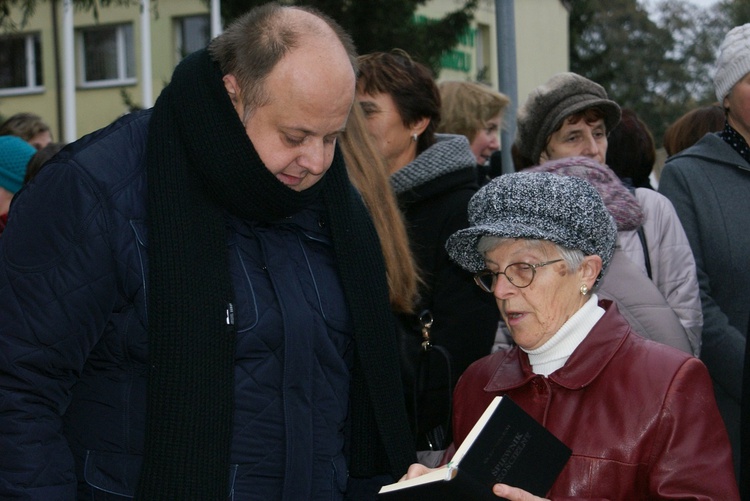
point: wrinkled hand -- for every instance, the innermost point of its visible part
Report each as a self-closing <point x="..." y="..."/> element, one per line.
<point x="513" y="493"/>
<point x="416" y="470"/>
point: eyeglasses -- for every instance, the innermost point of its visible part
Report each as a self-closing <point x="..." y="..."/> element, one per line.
<point x="519" y="274"/>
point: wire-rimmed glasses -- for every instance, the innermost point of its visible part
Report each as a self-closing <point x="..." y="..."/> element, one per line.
<point x="519" y="274"/>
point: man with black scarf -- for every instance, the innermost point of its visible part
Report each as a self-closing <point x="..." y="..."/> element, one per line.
<point x="193" y="301"/>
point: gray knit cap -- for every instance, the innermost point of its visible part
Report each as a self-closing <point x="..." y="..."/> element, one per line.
<point x="540" y="206"/>
<point x="563" y="95"/>
<point x="733" y="62"/>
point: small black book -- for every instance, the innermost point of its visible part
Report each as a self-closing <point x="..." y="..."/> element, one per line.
<point x="506" y="445"/>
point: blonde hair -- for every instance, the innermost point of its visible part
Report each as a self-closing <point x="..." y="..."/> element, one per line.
<point x="468" y="106"/>
<point x="368" y="172"/>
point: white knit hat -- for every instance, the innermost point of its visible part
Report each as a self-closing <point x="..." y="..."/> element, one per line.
<point x="734" y="60"/>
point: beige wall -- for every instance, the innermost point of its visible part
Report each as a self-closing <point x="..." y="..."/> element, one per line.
<point x="542" y="43"/>
<point x="462" y="62"/>
<point x="97" y="107"/>
<point x="541" y="39"/>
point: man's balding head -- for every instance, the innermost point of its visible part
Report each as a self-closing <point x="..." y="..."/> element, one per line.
<point x="254" y="44"/>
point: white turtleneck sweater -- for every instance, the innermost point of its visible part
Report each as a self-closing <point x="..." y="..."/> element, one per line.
<point x="555" y="352"/>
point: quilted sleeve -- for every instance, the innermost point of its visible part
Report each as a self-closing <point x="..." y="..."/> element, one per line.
<point x="673" y="263"/>
<point x="57" y="288"/>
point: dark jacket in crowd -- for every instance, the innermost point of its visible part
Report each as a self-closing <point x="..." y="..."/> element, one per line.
<point x="74" y="347"/>
<point x="745" y="431"/>
<point x="708" y="184"/>
<point x="434" y="192"/>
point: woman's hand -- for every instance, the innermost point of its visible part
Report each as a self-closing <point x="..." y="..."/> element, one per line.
<point x="416" y="470"/>
<point x="513" y="493"/>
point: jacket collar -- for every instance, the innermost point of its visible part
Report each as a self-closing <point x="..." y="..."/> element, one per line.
<point x="712" y="148"/>
<point x="450" y="153"/>
<point x="584" y="364"/>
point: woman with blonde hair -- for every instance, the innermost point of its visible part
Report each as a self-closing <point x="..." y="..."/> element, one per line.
<point x="476" y="111"/>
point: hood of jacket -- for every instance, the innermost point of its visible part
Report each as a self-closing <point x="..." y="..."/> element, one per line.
<point x="450" y="153"/>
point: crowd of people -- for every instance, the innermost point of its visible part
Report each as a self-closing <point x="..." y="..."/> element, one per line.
<point x="210" y="298"/>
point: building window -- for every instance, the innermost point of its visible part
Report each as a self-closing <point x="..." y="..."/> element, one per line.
<point x="191" y="33"/>
<point x="107" y="56"/>
<point x="483" y="54"/>
<point x="20" y="64"/>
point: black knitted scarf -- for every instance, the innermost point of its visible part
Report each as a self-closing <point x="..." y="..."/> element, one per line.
<point x="201" y="165"/>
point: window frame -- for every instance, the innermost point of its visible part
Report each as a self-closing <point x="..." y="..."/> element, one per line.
<point x="179" y="35"/>
<point x="33" y="59"/>
<point x="121" y="50"/>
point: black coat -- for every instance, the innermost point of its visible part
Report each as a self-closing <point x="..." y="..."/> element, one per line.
<point x="74" y="351"/>
<point x="745" y="425"/>
<point x="465" y="317"/>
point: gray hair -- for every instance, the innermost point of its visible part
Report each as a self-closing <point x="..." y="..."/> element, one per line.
<point x="572" y="257"/>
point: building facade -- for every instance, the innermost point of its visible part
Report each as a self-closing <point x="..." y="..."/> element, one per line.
<point x="112" y="74"/>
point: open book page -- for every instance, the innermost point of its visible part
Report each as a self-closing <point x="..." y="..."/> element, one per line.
<point x="449" y="471"/>
<point x="439" y="474"/>
<point x="475" y="431"/>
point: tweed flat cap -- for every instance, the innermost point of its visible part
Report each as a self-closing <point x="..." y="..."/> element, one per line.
<point x="563" y="95"/>
<point x="539" y="206"/>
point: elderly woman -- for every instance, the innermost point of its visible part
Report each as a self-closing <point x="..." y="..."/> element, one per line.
<point x="639" y="416"/>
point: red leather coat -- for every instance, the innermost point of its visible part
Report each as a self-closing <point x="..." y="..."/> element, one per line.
<point x="640" y="417"/>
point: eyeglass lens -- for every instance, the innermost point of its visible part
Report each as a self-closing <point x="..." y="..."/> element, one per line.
<point x="519" y="274"/>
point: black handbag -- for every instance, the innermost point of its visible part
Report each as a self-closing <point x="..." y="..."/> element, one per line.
<point x="426" y="370"/>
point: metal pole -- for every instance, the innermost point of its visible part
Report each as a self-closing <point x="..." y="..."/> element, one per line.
<point x="58" y="70"/>
<point x="505" y="22"/>
<point x="147" y="92"/>
<point x="215" y="18"/>
<point x="69" y="80"/>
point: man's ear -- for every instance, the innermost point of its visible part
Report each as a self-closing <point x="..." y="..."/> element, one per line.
<point x="233" y="89"/>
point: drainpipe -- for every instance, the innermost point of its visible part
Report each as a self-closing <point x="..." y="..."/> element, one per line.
<point x="505" y="21"/>
<point x="147" y="80"/>
<point x="215" y="18"/>
<point x="69" y="91"/>
<point x="58" y="74"/>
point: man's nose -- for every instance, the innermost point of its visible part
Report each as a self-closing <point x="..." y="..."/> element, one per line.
<point x="315" y="158"/>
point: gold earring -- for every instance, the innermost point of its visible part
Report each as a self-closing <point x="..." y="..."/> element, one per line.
<point x="584" y="289"/>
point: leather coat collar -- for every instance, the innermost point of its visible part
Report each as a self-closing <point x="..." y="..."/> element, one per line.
<point x="583" y="366"/>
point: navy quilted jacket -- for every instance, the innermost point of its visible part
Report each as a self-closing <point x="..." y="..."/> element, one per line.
<point x="73" y="343"/>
